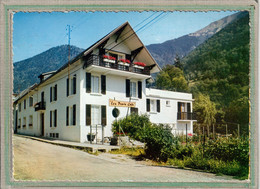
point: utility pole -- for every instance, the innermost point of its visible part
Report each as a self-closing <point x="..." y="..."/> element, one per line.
<point x="68" y="33"/>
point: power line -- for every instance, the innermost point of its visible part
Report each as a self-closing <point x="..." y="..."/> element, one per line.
<point x="136" y="31"/>
<point x="69" y="29"/>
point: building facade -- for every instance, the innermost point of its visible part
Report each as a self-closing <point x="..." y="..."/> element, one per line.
<point x="73" y="101"/>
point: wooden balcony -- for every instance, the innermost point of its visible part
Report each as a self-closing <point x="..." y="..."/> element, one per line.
<point x="116" y="65"/>
<point x="186" y="116"/>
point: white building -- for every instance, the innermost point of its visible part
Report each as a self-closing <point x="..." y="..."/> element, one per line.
<point x="68" y="101"/>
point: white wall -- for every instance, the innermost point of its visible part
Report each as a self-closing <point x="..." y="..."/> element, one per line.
<point x="168" y="114"/>
<point x="28" y="130"/>
<point x="115" y="89"/>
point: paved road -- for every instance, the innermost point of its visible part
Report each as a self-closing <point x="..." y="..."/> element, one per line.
<point x="34" y="160"/>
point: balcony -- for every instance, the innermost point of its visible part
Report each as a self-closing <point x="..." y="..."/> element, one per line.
<point x="112" y="65"/>
<point x="183" y="116"/>
<point x="40" y="106"/>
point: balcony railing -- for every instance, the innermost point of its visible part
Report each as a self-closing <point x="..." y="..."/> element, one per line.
<point x="40" y="106"/>
<point x="186" y="116"/>
<point x="99" y="61"/>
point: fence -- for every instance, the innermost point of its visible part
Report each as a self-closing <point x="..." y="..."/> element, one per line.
<point x="219" y="130"/>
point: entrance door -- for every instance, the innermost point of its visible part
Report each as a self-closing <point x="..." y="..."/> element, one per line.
<point x="42" y="123"/>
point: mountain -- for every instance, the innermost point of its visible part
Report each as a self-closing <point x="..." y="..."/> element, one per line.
<point x="26" y="72"/>
<point x="219" y="67"/>
<point x="165" y="52"/>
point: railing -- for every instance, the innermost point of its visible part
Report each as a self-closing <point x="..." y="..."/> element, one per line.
<point x="186" y="116"/>
<point x="40" y="106"/>
<point x="99" y="61"/>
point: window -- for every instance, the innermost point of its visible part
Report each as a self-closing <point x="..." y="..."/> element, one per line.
<point x="71" y="115"/>
<point x="72" y="85"/>
<point x="95" y="84"/>
<point x="30" y="120"/>
<point x="168" y="103"/>
<point x="153" y="105"/>
<point x="24" y="104"/>
<point x="184" y="107"/>
<point x="19" y="123"/>
<point x="131" y="89"/>
<point x="96" y="115"/>
<point x="53" y="118"/>
<point x="19" y="107"/>
<point x="54" y="135"/>
<point x="24" y="121"/>
<point x="184" y="111"/>
<point x="53" y="93"/>
<point x="30" y="101"/>
<point x="134" y="110"/>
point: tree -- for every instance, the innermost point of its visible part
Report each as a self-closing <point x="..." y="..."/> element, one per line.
<point x="177" y="62"/>
<point x="205" y="110"/>
<point x="171" y="78"/>
<point x="238" y="112"/>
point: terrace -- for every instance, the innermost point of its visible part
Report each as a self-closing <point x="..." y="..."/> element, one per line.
<point x="113" y="64"/>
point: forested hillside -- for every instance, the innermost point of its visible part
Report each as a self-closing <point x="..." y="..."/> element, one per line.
<point x="220" y="68"/>
<point x="26" y="72"/>
<point x="164" y="53"/>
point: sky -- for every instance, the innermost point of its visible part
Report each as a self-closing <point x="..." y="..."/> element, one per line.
<point x="35" y="32"/>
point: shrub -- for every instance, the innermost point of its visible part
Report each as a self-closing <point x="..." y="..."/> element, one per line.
<point x="159" y="142"/>
<point x="228" y="149"/>
<point x="133" y="125"/>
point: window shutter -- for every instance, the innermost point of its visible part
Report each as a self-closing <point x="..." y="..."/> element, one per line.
<point x="42" y="97"/>
<point x="67" y="116"/>
<point x="74" y="84"/>
<point x="103" y="84"/>
<point x="139" y="89"/>
<point x="55" y="92"/>
<point x="188" y="107"/>
<point x="88" y="82"/>
<point x="179" y="106"/>
<point x="55" y="118"/>
<point x="50" y="94"/>
<point x="68" y="87"/>
<point x="50" y="118"/>
<point x="74" y="115"/>
<point x="103" y="115"/>
<point x="88" y="114"/>
<point x="128" y="57"/>
<point x="127" y="89"/>
<point x="148" y="105"/>
<point x="158" y="106"/>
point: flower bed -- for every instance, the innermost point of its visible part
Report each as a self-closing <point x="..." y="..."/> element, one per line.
<point x="109" y="59"/>
<point x="139" y="65"/>
<point x="124" y="62"/>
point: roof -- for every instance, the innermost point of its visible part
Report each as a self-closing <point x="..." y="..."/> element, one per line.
<point x="131" y="39"/>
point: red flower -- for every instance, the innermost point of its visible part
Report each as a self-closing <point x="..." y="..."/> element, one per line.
<point x="125" y="61"/>
<point x="189" y="134"/>
<point x="109" y="57"/>
<point x="140" y="64"/>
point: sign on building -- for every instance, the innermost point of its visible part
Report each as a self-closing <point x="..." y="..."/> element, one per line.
<point x="121" y="103"/>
